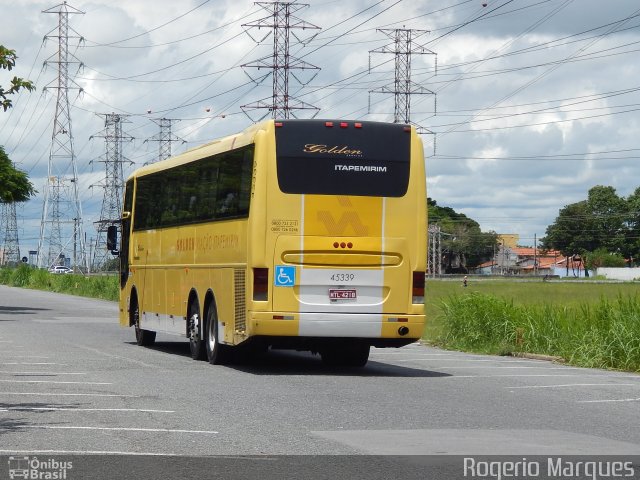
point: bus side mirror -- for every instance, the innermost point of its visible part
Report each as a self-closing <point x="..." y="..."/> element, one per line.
<point x="112" y="239"/>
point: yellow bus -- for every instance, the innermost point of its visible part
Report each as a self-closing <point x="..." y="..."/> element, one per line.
<point x="297" y="234"/>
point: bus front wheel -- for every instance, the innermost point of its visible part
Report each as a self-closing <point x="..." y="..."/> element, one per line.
<point x="217" y="354"/>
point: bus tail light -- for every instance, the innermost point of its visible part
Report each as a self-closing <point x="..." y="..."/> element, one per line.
<point x="260" y="284"/>
<point x="418" y="287"/>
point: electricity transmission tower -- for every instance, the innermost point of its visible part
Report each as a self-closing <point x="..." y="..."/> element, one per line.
<point x="403" y="47"/>
<point x="282" y="21"/>
<point x="113" y="185"/>
<point x="9" y="247"/>
<point x="164" y="138"/>
<point x="61" y="222"/>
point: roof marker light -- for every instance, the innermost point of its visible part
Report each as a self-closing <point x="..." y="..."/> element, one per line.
<point x="328" y="124"/>
<point x="357" y="125"/>
<point x="279" y="124"/>
<point x="344" y="124"/>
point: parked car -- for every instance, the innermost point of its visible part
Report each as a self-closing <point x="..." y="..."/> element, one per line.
<point x="60" y="269"/>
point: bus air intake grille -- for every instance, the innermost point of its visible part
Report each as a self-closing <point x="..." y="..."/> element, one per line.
<point x="239" y="292"/>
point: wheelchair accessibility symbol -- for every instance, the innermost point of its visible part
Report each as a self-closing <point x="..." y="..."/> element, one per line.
<point x="285" y="276"/>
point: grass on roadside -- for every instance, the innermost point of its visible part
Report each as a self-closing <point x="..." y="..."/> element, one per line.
<point x="104" y="286"/>
<point x="590" y="325"/>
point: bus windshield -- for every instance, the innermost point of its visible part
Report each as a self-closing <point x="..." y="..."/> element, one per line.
<point x="338" y="158"/>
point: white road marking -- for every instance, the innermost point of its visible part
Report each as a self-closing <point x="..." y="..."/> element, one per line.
<point x="474" y="360"/>
<point x="54" y="381"/>
<point x="610" y="401"/>
<point x="542" y="375"/>
<point x="86" y="452"/>
<point x="468" y="367"/>
<point x="42" y="373"/>
<point x="577" y="385"/>
<point x="9" y="354"/>
<point x="34" y="363"/>
<point x="375" y="352"/>
<point x="51" y="394"/>
<point x="67" y="409"/>
<point x="108" y="452"/>
<point x="119" y="357"/>
<point x="117" y="429"/>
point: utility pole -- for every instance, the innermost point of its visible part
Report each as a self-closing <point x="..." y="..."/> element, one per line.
<point x="403" y="46"/>
<point x="434" y="251"/>
<point x="164" y="138"/>
<point x="113" y="185"/>
<point x="61" y="222"/>
<point x="9" y="234"/>
<point x="535" y="254"/>
<point x="282" y="21"/>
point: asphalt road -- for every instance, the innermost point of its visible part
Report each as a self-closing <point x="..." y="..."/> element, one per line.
<point x="73" y="382"/>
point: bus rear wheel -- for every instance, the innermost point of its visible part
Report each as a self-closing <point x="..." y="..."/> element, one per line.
<point x="144" y="338"/>
<point x="345" y="354"/>
<point x="217" y="354"/>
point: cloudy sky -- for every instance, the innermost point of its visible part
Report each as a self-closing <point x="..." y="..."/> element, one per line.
<point x="535" y="102"/>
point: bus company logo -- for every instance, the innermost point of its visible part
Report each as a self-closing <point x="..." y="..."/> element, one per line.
<point x="335" y="150"/>
<point x="360" y="168"/>
<point x="34" y="468"/>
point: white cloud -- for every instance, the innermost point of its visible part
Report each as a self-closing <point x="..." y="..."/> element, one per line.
<point x="174" y="75"/>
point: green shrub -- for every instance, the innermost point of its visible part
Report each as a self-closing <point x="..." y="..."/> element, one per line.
<point x="104" y="286"/>
<point x="601" y="335"/>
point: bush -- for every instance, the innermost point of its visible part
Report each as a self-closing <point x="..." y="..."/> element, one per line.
<point x="604" y="335"/>
<point x="104" y="287"/>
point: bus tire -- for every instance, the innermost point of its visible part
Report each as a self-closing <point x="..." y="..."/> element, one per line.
<point x="194" y="329"/>
<point x="351" y="354"/>
<point x="217" y="354"/>
<point x="144" y="338"/>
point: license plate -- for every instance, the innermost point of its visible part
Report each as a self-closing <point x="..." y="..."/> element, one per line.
<point x="342" y="294"/>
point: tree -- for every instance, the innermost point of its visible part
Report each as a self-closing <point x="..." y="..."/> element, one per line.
<point x="602" y="258"/>
<point x="14" y="184"/>
<point x="633" y="233"/>
<point x="604" y="222"/>
<point x="7" y="62"/>
<point x="463" y="243"/>
<point x="568" y="233"/>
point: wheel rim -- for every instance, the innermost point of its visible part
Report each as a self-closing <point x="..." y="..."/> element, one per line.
<point x="194" y="328"/>
<point x="211" y="337"/>
<point x="136" y="319"/>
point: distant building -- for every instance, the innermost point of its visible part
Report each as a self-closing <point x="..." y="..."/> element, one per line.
<point x="528" y="261"/>
<point x="508" y="239"/>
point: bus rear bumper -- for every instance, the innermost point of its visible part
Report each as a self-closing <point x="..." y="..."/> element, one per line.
<point x="343" y="325"/>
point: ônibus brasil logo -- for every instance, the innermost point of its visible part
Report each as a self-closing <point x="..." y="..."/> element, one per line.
<point x="34" y="468"/>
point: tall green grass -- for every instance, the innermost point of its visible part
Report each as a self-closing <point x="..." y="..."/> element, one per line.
<point x="602" y="334"/>
<point x="104" y="287"/>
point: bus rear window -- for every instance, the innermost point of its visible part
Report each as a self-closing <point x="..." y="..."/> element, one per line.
<point x="371" y="160"/>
